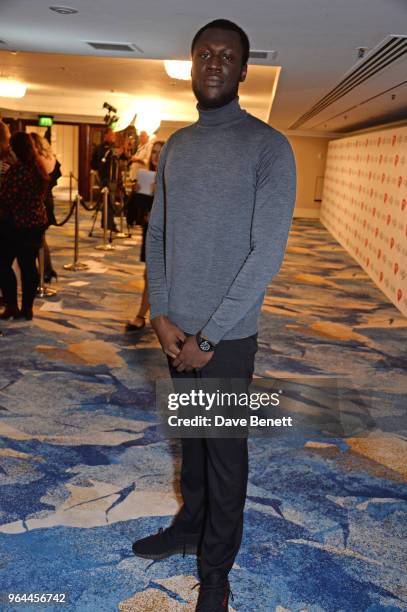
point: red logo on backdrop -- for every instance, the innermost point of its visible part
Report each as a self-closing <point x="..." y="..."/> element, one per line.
<point x="383" y="177"/>
<point x="403" y="203"/>
<point x="367" y="262"/>
<point x="364" y="223"/>
<point x="379" y="254"/>
<point x="396" y="268"/>
<point x="396" y="160"/>
<point x="391" y="243"/>
<point x="366" y="142"/>
<point x="376" y="231"/>
<point x="379" y="141"/>
<point x="370" y="174"/>
<point x="366" y="241"/>
<point x="388" y="219"/>
<point x="399" y="181"/>
<point x="374" y="211"/>
<point x="380" y="159"/>
<point x="385" y="198"/>
<point x="381" y="276"/>
<point x="393" y="140"/>
<point x="371" y="191"/>
<point x="368" y="158"/>
<point x="399" y="294"/>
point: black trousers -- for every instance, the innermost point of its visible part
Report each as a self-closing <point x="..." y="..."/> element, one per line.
<point x="215" y="470"/>
<point x="22" y="245"/>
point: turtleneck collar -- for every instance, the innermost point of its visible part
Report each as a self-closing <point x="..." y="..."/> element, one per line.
<point x="220" y="116"/>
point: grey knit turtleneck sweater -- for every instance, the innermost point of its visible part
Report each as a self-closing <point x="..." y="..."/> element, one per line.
<point x="219" y="224"/>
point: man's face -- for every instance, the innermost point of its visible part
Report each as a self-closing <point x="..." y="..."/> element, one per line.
<point x="143" y="138"/>
<point x="217" y="67"/>
<point x="155" y="153"/>
<point x="110" y="137"/>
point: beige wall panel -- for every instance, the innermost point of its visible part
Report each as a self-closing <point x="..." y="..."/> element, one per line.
<point x="365" y="205"/>
<point x="65" y="145"/>
<point x="310" y="157"/>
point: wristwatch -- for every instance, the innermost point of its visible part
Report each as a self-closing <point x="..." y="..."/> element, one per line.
<point x="204" y="344"/>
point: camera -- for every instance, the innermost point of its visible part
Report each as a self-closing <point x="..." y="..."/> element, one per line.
<point x="111" y="116"/>
<point x="109" y="107"/>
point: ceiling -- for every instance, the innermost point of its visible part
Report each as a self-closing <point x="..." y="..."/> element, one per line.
<point x="315" y="42"/>
<point x="72" y="84"/>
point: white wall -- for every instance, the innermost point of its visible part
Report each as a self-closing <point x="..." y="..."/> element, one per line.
<point x="65" y="140"/>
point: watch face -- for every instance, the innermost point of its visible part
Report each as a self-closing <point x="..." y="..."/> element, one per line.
<point x="205" y="346"/>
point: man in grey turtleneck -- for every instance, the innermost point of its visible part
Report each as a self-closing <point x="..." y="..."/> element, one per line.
<point x="217" y="234"/>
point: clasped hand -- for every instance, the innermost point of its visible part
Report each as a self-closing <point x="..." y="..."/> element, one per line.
<point x="183" y="349"/>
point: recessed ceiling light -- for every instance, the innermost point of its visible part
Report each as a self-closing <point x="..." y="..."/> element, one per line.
<point x="63" y="10"/>
<point x="178" y="69"/>
<point x="12" y="89"/>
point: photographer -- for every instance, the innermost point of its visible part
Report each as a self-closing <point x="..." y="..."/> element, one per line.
<point x="105" y="163"/>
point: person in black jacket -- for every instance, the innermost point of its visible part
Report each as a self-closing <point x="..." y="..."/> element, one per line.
<point x="105" y="163"/>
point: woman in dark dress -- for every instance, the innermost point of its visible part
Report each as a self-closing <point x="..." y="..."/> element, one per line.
<point x="23" y="219"/>
<point x="140" y="319"/>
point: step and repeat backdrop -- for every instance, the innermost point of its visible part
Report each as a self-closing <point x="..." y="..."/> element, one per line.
<point x="364" y="205"/>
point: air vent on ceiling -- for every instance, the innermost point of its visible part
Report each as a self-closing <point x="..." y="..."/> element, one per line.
<point x="64" y="10"/>
<point x="389" y="51"/>
<point x="264" y="55"/>
<point x="110" y="46"/>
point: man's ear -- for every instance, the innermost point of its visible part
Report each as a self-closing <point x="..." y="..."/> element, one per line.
<point x="243" y="74"/>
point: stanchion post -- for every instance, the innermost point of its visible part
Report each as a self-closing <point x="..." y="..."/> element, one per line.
<point x="92" y="187"/>
<point x="76" y="265"/>
<point x="41" y="262"/>
<point x="42" y="290"/>
<point x="106" y="246"/>
<point x="70" y="188"/>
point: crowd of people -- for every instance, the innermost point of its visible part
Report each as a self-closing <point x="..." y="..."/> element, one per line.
<point x="23" y="220"/>
<point x="29" y="170"/>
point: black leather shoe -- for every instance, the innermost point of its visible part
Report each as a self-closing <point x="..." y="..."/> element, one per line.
<point x="27" y="313"/>
<point x="165" y="543"/>
<point x="48" y="276"/>
<point x="214" y="594"/>
<point x="10" y="312"/>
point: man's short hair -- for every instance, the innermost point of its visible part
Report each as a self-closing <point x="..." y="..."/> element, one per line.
<point x="225" y="24"/>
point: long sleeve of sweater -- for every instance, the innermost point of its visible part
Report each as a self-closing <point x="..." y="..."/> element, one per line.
<point x="155" y="247"/>
<point x="273" y="211"/>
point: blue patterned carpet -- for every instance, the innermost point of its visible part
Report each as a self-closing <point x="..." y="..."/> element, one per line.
<point x="84" y="471"/>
